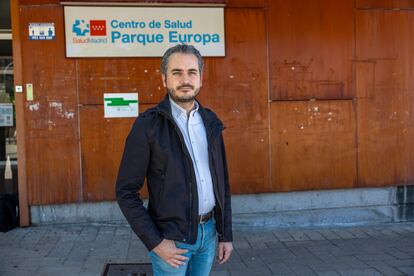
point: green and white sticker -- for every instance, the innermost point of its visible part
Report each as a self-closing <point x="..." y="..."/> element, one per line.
<point x="120" y="105"/>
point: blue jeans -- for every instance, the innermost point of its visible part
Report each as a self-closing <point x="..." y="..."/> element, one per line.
<point x="200" y="255"/>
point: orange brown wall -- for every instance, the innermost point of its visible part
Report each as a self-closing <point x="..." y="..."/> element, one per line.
<point x="314" y="95"/>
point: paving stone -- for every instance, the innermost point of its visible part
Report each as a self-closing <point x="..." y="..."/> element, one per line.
<point x="88" y="234"/>
<point x="28" y="264"/>
<point x="390" y="234"/>
<point x="242" y="244"/>
<point x="219" y="273"/>
<point x="19" y="272"/>
<point x="344" y="234"/>
<point x="305" y="243"/>
<point x="360" y="272"/>
<point x="240" y="235"/>
<point x="375" y="257"/>
<point x="325" y="256"/>
<point x="322" y="248"/>
<point x="258" y="245"/>
<point x="275" y="244"/>
<point x="31" y="238"/>
<point x="329" y="234"/>
<point x="279" y="256"/>
<point x="302" y="270"/>
<point x="256" y="263"/>
<point x="239" y="271"/>
<point x="300" y="252"/>
<point x="94" y="269"/>
<point x="315" y="235"/>
<point x="230" y="265"/>
<point x="299" y="235"/>
<point x="408" y="270"/>
<point x="401" y="263"/>
<point x="260" y="237"/>
<point x="322" y="267"/>
<point x="90" y="273"/>
<point x="283" y="235"/>
<point x="58" y="270"/>
<point x="280" y="268"/>
<point x="409" y="227"/>
<point x="407" y="250"/>
<point x="123" y="231"/>
<point x="373" y="233"/>
<point x="246" y="252"/>
<point x="339" y="252"/>
<point x="397" y="253"/>
<point x="384" y="268"/>
<point x="61" y="249"/>
<point x="358" y="233"/>
<point x="79" y="252"/>
<point x="327" y="273"/>
<point x="351" y="261"/>
<point x="399" y="229"/>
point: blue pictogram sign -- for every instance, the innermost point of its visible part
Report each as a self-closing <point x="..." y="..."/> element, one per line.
<point x="80" y="27"/>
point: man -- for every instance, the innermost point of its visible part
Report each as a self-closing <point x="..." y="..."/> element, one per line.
<point x="178" y="147"/>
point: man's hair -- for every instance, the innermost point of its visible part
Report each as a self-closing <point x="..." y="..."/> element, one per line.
<point x="182" y="49"/>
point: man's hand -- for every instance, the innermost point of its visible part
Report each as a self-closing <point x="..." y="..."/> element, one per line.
<point x="224" y="251"/>
<point x="170" y="253"/>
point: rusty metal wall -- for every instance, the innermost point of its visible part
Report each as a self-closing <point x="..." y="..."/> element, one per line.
<point x="314" y="95"/>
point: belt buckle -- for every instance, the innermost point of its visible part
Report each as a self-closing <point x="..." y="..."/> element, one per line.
<point x="206" y="217"/>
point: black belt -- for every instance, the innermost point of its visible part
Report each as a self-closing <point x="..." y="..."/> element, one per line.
<point x="206" y="217"/>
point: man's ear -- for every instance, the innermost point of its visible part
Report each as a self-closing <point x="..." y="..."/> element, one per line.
<point x="164" y="80"/>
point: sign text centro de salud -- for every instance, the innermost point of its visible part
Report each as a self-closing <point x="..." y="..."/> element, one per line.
<point x="141" y="31"/>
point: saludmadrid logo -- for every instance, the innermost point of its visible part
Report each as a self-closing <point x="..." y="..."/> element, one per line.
<point x="92" y="31"/>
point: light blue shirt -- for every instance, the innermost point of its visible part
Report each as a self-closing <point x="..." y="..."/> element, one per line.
<point x="195" y="137"/>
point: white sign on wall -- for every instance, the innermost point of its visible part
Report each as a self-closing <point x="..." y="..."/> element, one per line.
<point x="41" y="31"/>
<point x="120" y="105"/>
<point x="142" y="31"/>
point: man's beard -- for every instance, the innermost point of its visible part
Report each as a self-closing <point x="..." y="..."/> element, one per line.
<point x="183" y="99"/>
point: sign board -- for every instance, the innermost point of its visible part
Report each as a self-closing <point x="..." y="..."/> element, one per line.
<point x="142" y="31"/>
<point x="120" y="105"/>
<point x="41" y="31"/>
<point x="6" y="114"/>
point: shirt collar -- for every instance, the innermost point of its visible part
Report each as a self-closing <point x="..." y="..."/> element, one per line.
<point x="178" y="111"/>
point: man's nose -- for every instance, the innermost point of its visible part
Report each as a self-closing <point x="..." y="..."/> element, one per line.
<point x="185" y="78"/>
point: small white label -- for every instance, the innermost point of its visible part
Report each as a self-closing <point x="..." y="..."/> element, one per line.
<point x="19" y="89"/>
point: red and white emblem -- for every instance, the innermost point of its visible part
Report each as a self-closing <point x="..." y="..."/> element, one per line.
<point x="98" y="27"/>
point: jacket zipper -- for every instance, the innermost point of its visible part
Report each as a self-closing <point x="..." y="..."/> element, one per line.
<point x="187" y="158"/>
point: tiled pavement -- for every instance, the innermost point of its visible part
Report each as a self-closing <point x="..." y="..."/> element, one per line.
<point x="85" y="249"/>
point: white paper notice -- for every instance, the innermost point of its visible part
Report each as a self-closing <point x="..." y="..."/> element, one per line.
<point x="120" y="105"/>
<point x="6" y="114"/>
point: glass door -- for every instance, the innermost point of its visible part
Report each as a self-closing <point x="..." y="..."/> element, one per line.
<point x="8" y="145"/>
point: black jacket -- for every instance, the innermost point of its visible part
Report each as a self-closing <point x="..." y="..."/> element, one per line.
<point x="155" y="150"/>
